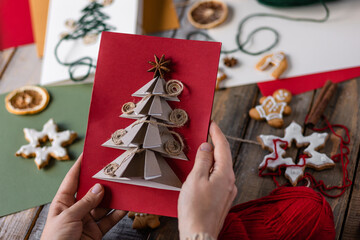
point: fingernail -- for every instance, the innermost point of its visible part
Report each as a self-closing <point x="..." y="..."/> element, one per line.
<point x="96" y="189"/>
<point x="206" y="147"/>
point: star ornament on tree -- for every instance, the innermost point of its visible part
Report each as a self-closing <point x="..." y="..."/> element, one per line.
<point x="295" y="171"/>
<point x="159" y="67"/>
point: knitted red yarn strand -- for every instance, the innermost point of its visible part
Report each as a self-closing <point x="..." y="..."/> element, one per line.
<point x="342" y="157"/>
<point x="287" y="213"/>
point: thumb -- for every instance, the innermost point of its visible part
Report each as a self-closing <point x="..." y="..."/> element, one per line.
<point x="87" y="203"/>
<point x="204" y="160"/>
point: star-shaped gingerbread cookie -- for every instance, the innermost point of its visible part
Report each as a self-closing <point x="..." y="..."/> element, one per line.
<point x="43" y="154"/>
<point x="294" y="171"/>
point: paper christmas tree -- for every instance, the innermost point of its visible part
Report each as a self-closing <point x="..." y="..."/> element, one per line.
<point x="91" y="22"/>
<point x="149" y="139"/>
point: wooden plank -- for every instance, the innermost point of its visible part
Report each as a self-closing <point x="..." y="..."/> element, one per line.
<point x="250" y="185"/>
<point x="39" y="223"/>
<point x="344" y="109"/>
<point x="5" y="58"/>
<point x="350" y="228"/>
<point x="23" y="69"/>
<point x="230" y="112"/>
<point x="15" y="226"/>
<point x="123" y="230"/>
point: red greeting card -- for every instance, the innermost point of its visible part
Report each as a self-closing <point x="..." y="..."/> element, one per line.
<point x="15" y="23"/>
<point x="143" y="171"/>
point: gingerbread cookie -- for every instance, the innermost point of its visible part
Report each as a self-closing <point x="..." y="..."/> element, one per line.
<point x="276" y="60"/>
<point x="295" y="171"/>
<point x="272" y="108"/>
<point x="27" y="100"/>
<point x="144" y="220"/>
<point x="43" y="154"/>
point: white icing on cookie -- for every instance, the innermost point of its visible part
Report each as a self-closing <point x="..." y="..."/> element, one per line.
<point x="270" y="109"/>
<point x="275" y="59"/>
<point x="294" y="133"/>
<point x="268" y="141"/>
<point x="281" y="95"/>
<point x="42" y="154"/>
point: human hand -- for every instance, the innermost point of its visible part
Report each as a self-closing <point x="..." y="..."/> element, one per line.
<point x="68" y="219"/>
<point x="207" y="194"/>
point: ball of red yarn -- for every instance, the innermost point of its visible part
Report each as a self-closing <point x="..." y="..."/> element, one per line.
<point x="287" y="213"/>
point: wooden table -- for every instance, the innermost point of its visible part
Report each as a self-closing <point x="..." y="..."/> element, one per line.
<point x="21" y="66"/>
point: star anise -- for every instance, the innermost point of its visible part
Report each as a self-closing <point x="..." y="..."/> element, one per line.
<point x="230" y="62"/>
<point x="159" y="66"/>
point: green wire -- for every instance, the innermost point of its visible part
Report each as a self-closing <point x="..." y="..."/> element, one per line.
<point x="288" y="3"/>
<point x="241" y="46"/>
<point x="91" y="22"/>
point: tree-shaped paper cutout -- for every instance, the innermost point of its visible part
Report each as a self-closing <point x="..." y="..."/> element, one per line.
<point x="147" y="140"/>
<point x="91" y="22"/>
<point x="88" y="27"/>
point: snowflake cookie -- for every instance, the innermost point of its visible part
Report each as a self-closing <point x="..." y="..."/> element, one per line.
<point x="43" y="154"/>
<point x="294" y="171"/>
<point x="272" y="108"/>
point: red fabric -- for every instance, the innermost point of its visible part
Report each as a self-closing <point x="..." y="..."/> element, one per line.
<point x="297" y="85"/>
<point x="121" y="70"/>
<point x="15" y="23"/>
<point x="287" y="213"/>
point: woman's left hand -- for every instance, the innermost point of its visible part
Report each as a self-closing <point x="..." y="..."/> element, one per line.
<point x="68" y="219"/>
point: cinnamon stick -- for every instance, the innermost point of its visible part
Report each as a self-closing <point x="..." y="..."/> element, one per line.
<point x="320" y="103"/>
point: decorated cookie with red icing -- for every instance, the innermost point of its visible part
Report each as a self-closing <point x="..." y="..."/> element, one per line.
<point x="277" y="146"/>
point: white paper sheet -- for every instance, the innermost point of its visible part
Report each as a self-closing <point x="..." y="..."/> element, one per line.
<point x="123" y="16"/>
<point x="310" y="47"/>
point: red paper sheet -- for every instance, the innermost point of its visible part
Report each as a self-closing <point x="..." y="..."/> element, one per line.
<point x="309" y="82"/>
<point x="121" y="70"/>
<point x="15" y="23"/>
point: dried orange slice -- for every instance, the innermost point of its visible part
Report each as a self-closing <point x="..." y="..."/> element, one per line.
<point x="208" y="14"/>
<point x="27" y="100"/>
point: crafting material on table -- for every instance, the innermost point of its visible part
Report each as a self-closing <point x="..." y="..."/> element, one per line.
<point x="27" y="100"/>
<point x="207" y="14"/>
<point x="69" y="53"/>
<point x="317" y="110"/>
<point x="295" y="172"/>
<point x="22" y="185"/>
<point x="277" y="216"/>
<point x="39" y="11"/>
<point x="158" y="16"/>
<point x="110" y="94"/>
<point x="299" y="40"/>
<point x="15" y="24"/>
<point x="37" y="148"/>
<point x="144" y="220"/>
<point x="272" y="108"/>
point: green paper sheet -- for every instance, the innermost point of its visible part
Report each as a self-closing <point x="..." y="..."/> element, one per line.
<point x="22" y="185"/>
